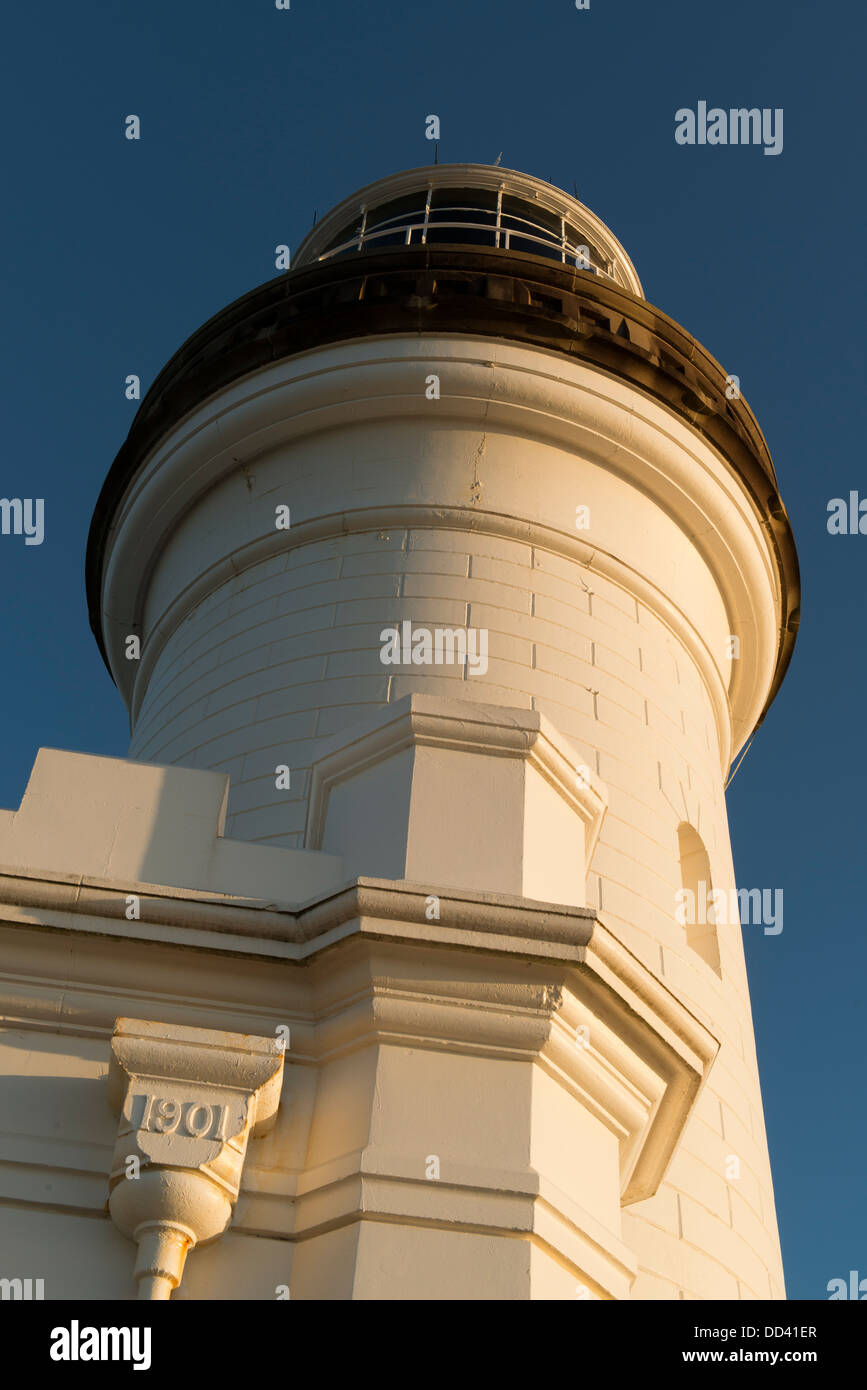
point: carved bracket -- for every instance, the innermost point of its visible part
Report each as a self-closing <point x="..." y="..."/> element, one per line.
<point x="189" y="1099"/>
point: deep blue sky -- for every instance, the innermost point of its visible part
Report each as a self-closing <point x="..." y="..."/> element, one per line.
<point x="113" y="252"/>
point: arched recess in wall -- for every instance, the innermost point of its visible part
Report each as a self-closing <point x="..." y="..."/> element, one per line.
<point x="701" y="935"/>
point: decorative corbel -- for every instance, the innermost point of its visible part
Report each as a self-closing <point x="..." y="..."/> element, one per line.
<point x="189" y="1100"/>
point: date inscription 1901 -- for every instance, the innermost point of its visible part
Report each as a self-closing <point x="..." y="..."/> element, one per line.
<point x="161" y="1115"/>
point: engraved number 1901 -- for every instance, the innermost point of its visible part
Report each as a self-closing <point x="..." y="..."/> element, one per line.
<point x="164" y="1116"/>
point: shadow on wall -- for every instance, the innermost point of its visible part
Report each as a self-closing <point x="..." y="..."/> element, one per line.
<point x="141" y="823"/>
<point x="57" y="1139"/>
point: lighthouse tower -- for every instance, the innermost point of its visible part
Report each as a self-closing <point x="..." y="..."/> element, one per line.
<point x="444" y="579"/>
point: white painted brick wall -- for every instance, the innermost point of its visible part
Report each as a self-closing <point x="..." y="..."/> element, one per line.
<point x="287" y="653"/>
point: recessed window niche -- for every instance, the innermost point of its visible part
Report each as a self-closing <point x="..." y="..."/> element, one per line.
<point x="695" y="878"/>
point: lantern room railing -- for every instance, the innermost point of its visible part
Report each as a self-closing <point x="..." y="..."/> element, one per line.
<point x="460" y="224"/>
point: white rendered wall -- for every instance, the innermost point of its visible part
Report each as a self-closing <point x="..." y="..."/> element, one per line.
<point x="618" y="634"/>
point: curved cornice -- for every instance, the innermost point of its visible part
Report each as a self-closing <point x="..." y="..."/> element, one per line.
<point x="484" y="293"/>
<point x="522" y="391"/>
<point x="641" y="1076"/>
